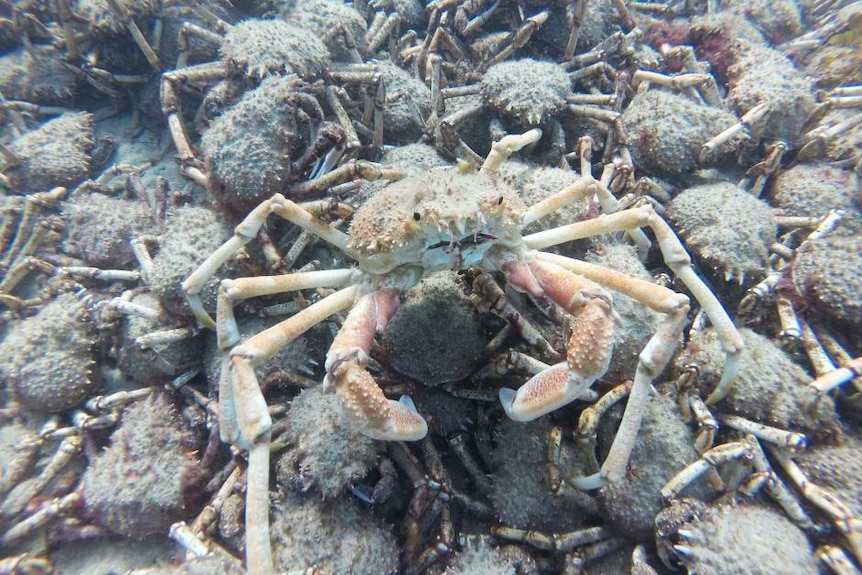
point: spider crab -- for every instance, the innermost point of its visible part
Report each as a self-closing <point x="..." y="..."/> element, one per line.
<point x="444" y="219"/>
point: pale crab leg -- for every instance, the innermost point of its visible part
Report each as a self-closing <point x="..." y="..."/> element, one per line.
<point x="369" y="410"/>
<point x="710" y="459"/>
<point x="243" y="234"/>
<point x="280" y="334"/>
<point x="234" y="290"/>
<point x="577" y="190"/>
<point x="172" y="109"/>
<point x="589" y="347"/>
<point x="676" y="258"/>
<point x="840" y="515"/>
<point x="586" y="186"/>
<point x="508" y="145"/>
<point x="250" y="421"/>
<point x="652" y="360"/>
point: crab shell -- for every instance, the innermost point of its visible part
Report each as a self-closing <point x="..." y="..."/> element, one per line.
<point x="440" y="219"/>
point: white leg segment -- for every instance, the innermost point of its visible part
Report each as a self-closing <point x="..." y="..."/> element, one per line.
<point x="243" y="234"/>
<point x="676" y="258"/>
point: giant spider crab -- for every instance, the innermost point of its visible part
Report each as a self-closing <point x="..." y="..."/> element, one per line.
<point x="444" y="219"/>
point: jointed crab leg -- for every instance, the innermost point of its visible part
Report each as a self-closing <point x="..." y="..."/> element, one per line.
<point x="838" y="512"/>
<point x="577" y="190"/>
<point x="238" y="384"/>
<point x="244" y="233"/>
<point x="366" y="406"/>
<point x="653" y="358"/>
<point x="244" y="415"/>
<point x="506" y="146"/>
<point x="233" y="290"/>
<point x="675" y="257"/>
<point x="171" y="107"/>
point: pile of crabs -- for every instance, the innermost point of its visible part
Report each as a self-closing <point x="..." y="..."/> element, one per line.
<point x="456" y="287"/>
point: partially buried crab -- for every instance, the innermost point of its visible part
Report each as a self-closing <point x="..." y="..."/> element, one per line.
<point x="445" y="219"/>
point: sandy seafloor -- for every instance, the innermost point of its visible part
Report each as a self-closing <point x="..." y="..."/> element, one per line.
<point x="342" y="503"/>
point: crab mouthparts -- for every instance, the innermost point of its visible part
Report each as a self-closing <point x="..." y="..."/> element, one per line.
<point x="454" y="244"/>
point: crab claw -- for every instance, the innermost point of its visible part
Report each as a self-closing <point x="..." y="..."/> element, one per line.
<point x="371" y="413"/>
<point x="589" y="355"/>
<point x="546" y="391"/>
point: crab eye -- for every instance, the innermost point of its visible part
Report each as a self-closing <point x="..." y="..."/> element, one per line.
<point x="500" y="200"/>
<point x="417" y="216"/>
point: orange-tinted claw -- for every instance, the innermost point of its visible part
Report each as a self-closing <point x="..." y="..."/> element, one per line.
<point x="589" y="354"/>
<point x="371" y="412"/>
<point x="592" y="341"/>
<point x="546" y="391"/>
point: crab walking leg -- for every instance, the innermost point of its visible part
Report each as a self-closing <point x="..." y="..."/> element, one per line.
<point x="706" y="424"/>
<point x="508" y="145"/>
<point x="172" y="109"/>
<point x="555" y="542"/>
<point x="258" y="545"/>
<point x="244" y="416"/>
<point x="233" y="290"/>
<point x="68" y="449"/>
<point x="352" y="170"/>
<point x="242" y="394"/>
<point x="587" y="432"/>
<point x="836" y="560"/>
<point x="364" y="403"/>
<point x="653" y="358"/>
<point x="840" y="515"/>
<point x="710" y="459"/>
<point x="752" y="117"/>
<point x="577" y="190"/>
<point x="589" y="347"/>
<point x="675" y="257"/>
<point x="243" y="234"/>
<point x="781" y="437"/>
<point x="651" y="361"/>
<point x="833" y="379"/>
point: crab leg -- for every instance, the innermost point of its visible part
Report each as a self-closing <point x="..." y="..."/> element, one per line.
<point x="136" y="33"/>
<point x="781" y="437"/>
<point x="488" y="296"/>
<point x="577" y="190"/>
<point x="171" y="108"/>
<point x="244" y="417"/>
<point x="577" y="19"/>
<point x="653" y="358"/>
<point x="506" y="146"/>
<point x="352" y="170"/>
<point x="753" y="117"/>
<point x="233" y="290"/>
<point x="589" y="347"/>
<point x="243" y="414"/>
<point x="839" y="514"/>
<point x="837" y="560"/>
<point x="364" y="403"/>
<point x="69" y="448"/>
<point x="651" y="361"/>
<point x="259" y="348"/>
<point x="710" y="459"/>
<point x="243" y="234"/>
<point x="675" y="257"/>
<point x="833" y="379"/>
